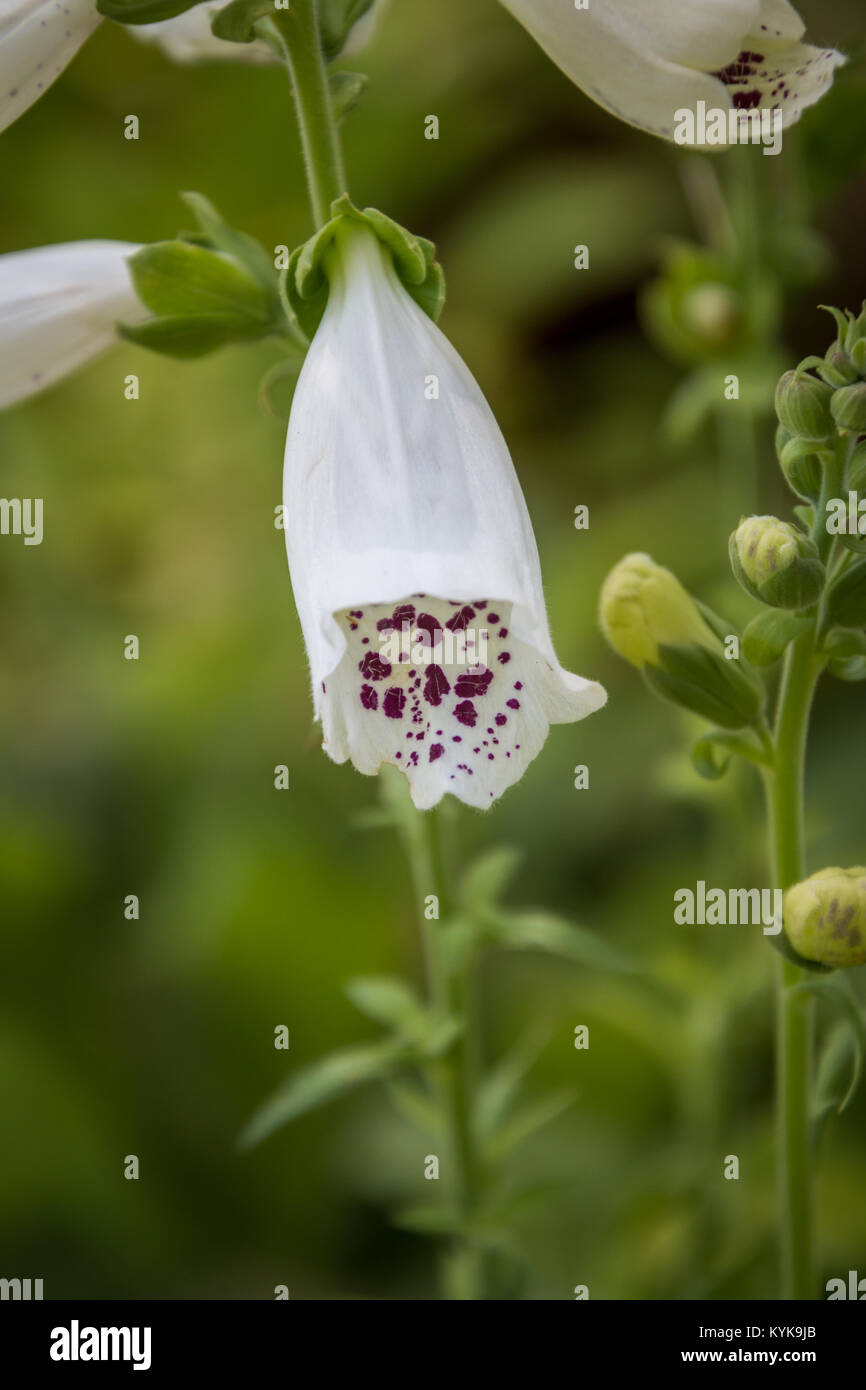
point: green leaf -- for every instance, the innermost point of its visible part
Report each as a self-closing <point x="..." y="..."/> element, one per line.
<point x="429" y="1220"/>
<point x="392" y="1002"/>
<point x="190" y="335"/>
<point x="709" y="765"/>
<point x="767" y="635"/>
<point x="542" y="931"/>
<point x="487" y="878"/>
<point x="321" y="1082"/>
<point x="385" y="999"/>
<point x="143" y="11"/>
<point x="527" y="1120"/>
<point x="846" y="649"/>
<point x="415" y="1103"/>
<point x="347" y="88"/>
<point x="831" y="1094"/>
<point x="498" y="1089"/>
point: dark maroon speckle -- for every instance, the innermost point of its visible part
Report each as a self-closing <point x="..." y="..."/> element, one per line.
<point x="373" y="668"/>
<point x="369" y="698"/>
<point x="394" y="702"/>
<point x="435" y="685"/>
<point x="465" y="713"/>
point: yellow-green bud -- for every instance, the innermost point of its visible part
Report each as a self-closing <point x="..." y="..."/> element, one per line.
<point x="848" y="406"/>
<point x="825" y="917"/>
<point x="776" y="563"/>
<point x="649" y="618"/>
<point x="803" y="405"/>
<point x="644" y="606"/>
<point x="713" y="312"/>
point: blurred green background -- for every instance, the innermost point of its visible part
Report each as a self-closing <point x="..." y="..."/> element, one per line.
<point x="156" y="777"/>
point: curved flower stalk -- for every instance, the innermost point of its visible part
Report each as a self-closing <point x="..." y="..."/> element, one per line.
<point x="645" y="60"/>
<point x="58" y="308"/>
<point x="412" y="556"/>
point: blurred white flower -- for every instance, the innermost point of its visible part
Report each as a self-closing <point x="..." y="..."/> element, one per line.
<point x="188" y="39"/>
<point x="58" y="308"/>
<point x="644" y="60"/>
<point x="412" y="556"/>
<point x="37" y="40"/>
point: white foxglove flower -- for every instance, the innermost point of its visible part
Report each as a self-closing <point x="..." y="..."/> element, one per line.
<point x="644" y="60"/>
<point x="58" y="308"/>
<point x="38" y="38"/>
<point x="412" y="556"/>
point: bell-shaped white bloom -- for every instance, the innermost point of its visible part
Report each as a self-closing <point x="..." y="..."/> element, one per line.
<point x="38" y="38"/>
<point x="58" y="308"/>
<point x="412" y="556"/>
<point x="645" y="60"/>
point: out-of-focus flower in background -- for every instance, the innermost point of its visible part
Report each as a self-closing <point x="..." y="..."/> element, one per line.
<point x="645" y="60"/>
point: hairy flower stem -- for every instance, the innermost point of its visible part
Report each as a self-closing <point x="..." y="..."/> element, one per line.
<point x="794" y="1007"/>
<point x="462" y="1270"/>
<point x="295" y="35"/>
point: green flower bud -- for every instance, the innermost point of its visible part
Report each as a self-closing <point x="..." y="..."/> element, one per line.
<point x="801" y="464"/>
<point x="846" y="595"/>
<point x="838" y="368"/>
<point x="848" y="406"/>
<point x="776" y="563"/>
<point x="857" y="469"/>
<point x="803" y="405"/>
<point x="825" y="917"/>
<point x="649" y="618"/>
<point x="643" y="607"/>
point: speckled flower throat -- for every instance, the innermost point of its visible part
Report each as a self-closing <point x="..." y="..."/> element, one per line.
<point x="440" y="688"/>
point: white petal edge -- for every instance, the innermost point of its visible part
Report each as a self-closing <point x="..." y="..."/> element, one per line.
<point x="58" y="308"/>
<point x="37" y="41"/>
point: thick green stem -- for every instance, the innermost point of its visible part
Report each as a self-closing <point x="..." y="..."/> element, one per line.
<point x="795" y="1007"/>
<point x="452" y="1074"/>
<point x="296" y="32"/>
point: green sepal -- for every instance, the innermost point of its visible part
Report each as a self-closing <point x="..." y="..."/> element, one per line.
<point x="236" y="21"/>
<point x="767" y="635"/>
<point x="337" y="18"/>
<point x="143" y="11"/>
<point x="306" y="284"/>
<point x="202" y="299"/>
<point x="175" y="277"/>
<point x="803" y="461"/>
<point x="190" y="335"/>
<point x="705" y="682"/>
<point x="242" y="247"/>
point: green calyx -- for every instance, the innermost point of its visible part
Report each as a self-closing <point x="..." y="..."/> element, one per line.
<point x="237" y="21"/>
<point x="205" y="289"/>
<point x="306" y="284"/>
